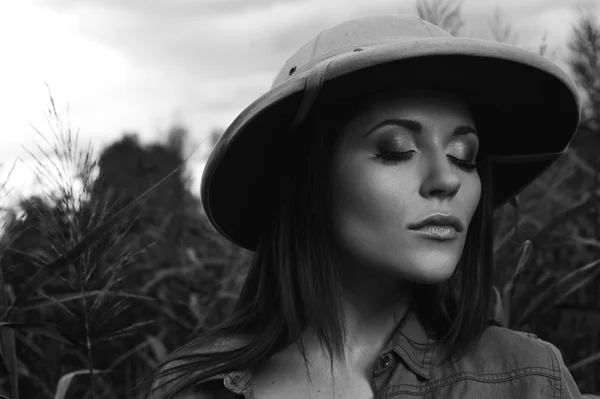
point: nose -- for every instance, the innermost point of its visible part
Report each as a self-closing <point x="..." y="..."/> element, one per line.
<point x="441" y="179"/>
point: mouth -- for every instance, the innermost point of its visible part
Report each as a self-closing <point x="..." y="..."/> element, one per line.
<point x="438" y="226"/>
<point x="438" y="232"/>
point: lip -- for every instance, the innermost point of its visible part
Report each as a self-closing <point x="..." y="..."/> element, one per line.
<point x="447" y="226"/>
<point x="438" y="233"/>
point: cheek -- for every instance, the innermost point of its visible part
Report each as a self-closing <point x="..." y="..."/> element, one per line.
<point x="370" y="206"/>
<point x="470" y="195"/>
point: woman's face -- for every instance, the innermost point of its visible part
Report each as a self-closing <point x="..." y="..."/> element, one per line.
<point x="403" y="157"/>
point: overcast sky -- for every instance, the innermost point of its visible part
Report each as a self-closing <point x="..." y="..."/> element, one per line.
<point x="143" y="65"/>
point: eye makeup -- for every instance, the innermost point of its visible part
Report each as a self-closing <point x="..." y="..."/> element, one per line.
<point x="462" y="151"/>
<point x="397" y="148"/>
<point x="392" y="137"/>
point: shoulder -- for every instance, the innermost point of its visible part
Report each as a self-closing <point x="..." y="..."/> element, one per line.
<point x="212" y="387"/>
<point x="503" y="350"/>
<point x="516" y="348"/>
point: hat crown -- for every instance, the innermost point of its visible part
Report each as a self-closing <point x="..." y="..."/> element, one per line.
<point x="353" y="34"/>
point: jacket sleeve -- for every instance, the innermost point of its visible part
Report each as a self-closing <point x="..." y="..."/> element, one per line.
<point x="568" y="387"/>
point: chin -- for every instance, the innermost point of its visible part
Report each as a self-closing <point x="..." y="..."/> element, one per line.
<point x="430" y="270"/>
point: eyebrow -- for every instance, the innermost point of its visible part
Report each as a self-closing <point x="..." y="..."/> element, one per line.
<point x="417" y="127"/>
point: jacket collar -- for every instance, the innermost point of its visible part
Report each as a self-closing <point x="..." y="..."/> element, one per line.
<point x="414" y="344"/>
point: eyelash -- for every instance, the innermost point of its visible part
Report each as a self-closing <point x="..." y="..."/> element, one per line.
<point x="394" y="157"/>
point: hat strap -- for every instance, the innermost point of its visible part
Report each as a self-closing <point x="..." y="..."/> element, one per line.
<point x="314" y="82"/>
<point x="526" y="158"/>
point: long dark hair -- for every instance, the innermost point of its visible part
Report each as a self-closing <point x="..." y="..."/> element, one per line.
<point x="293" y="272"/>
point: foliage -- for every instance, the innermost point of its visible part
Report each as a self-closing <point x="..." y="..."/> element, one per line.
<point x="443" y="13"/>
<point x="501" y="30"/>
<point x="585" y="63"/>
<point x="98" y="284"/>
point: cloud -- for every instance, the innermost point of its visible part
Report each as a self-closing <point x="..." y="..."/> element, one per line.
<point x="221" y="39"/>
<point x="204" y="7"/>
<point x="216" y="56"/>
<point x="216" y="61"/>
<point x="201" y="37"/>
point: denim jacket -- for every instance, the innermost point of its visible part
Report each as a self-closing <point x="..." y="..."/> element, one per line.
<point x="504" y="364"/>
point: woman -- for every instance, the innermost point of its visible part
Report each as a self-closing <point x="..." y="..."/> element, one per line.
<point x="365" y="182"/>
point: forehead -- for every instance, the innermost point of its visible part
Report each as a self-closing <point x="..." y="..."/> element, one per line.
<point x="418" y="103"/>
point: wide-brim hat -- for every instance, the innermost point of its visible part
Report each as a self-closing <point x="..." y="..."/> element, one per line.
<point x="526" y="106"/>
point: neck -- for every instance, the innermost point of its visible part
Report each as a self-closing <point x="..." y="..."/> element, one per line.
<point x="373" y="304"/>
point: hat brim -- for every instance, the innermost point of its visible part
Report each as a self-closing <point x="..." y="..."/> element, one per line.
<point x="522" y="104"/>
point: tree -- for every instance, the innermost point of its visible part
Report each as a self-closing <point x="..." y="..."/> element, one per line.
<point x="443" y="13"/>
<point x="585" y="63"/>
<point x="162" y="256"/>
<point x="501" y="30"/>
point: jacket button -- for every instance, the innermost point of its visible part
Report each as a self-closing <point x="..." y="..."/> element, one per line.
<point x="385" y="360"/>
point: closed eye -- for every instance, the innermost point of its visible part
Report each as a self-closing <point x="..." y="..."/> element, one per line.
<point x="395" y="157"/>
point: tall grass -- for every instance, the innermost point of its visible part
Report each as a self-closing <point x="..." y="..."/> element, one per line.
<point x="66" y="315"/>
